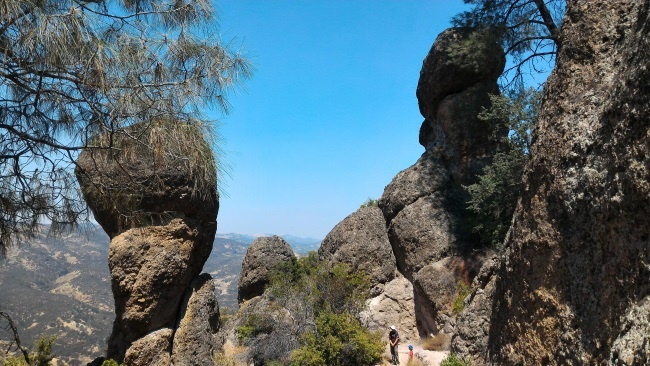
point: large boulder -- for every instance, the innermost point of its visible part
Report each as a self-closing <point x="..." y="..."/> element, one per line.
<point x="574" y="282"/>
<point x="421" y="233"/>
<point x="154" y="349"/>
<point x="426" y="177"/>
<point x="360" y="241"/>
<point x="451" y="66"/>
<point x="435" y="289"/>
<point x="264" y="255"/>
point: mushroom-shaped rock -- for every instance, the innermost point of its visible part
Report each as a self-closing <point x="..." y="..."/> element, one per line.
<point x="360" y="241"/>
<point x="264" y="255"/>
<point x="153" y="189"/>
<point x="150" y="180"/>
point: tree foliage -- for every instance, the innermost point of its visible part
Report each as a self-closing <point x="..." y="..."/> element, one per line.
<point x="71" y="70"/>
<point x="528" y="30"/>
<point x="41" y="356"/>
<point x="494" y="197"/>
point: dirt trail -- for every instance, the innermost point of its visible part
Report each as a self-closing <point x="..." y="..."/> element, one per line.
<point x="429" y="358"/>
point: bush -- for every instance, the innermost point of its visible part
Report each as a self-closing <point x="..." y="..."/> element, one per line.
<point x="339" y="339"/>
<point x="40" y="357"/>
<point x="255" y="324"/>
<point x="454" y="360"/>
<point x="308" y="298"/>
<point x="369" y="203"/>
<point x="462" y="291"/>
<point x="111" y="362"/>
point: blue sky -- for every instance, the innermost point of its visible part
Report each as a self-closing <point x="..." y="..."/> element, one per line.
<point x="330" y="115"/>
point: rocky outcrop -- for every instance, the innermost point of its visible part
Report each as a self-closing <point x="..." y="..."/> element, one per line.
<point x="153" y="349"/>
<point x="424" y="205"/>
<point x="159" y="206"/>
<point x="471" y="333"/>
<point x="360" y="241"/>
<point x="195" y="339"/>
<point x="394" y="306"/>
<point x="264" y="254"/>
<point x="574" y="284"/>
<point x="436" y="286"/>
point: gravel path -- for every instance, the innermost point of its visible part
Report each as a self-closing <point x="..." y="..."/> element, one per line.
<point x="429" y="358"/>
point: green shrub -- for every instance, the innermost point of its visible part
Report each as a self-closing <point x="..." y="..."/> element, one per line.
<point x="40" y="357"/>
<point x="255" y="324"/>
<point x="493" y="197"/>
<point x="339" y="339"/>
<point x="454" y="360"/>
<point x="111" y="362"/>
<point x="369" y="203"/>
<point x="303" y="293"/>
<point x="462" y="291"/>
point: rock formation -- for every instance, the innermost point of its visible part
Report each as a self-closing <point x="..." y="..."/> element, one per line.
<point x="394" y="306"/>
<point x="264" y="254"/>
<point x="159" y="207"/>
<point x="424" y="204"/>
<point x="360" y="241"/>
<point x="574" y="284"/>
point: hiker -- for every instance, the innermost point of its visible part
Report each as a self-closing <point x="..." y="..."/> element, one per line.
<point x="393" y="338"/>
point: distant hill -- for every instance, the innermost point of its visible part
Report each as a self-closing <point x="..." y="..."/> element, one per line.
<point x="61" y="286"/>
<point x="300" y="245"/>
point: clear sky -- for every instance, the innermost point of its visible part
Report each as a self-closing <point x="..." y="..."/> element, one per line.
<point x="330" y="115"/>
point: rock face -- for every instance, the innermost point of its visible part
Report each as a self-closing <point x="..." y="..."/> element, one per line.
<point x="574" y="284"/>
<point x="360" y="241"/>
<point x="194" y="339"/>
<point x="394" y="306"/>
<point x="264" y="254"/>
<point x="473" y="324"/>
<point x="160" y="211"/>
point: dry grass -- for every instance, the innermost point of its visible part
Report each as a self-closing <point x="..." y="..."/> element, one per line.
<point x="439" y="342"/>
<point x="415" y="362"/>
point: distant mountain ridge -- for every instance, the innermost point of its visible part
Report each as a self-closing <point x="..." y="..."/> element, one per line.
<point x="301" y="245"/>
<point x="61" y="286"/>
